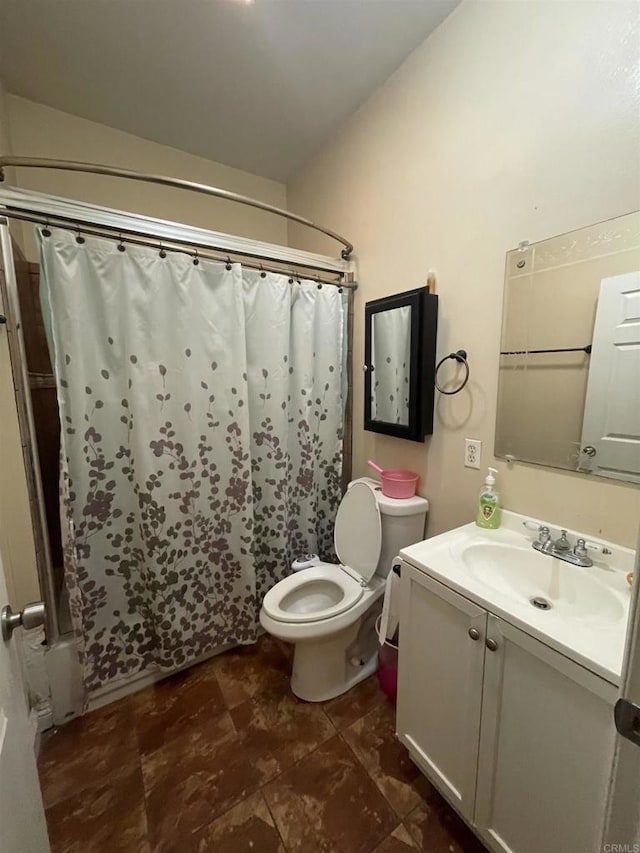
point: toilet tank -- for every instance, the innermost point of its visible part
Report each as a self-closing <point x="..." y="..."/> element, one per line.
<point x="403" y="522"/>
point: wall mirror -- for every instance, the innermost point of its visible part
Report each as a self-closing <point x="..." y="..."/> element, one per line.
<point x="569" y="383"/>
<point x="400" y="341"/>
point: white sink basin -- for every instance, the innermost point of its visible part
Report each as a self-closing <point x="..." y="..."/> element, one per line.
<point x="501" y="572"/>
<point x="527" y="576"/>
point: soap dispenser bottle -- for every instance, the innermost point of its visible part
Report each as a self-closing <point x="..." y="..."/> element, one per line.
<point x="489" y="512"/>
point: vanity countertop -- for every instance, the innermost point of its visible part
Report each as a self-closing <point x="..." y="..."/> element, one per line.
<point x="501" y="572"/>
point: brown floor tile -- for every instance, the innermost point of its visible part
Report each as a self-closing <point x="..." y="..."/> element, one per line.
<point x="327" y="802"/>
<point x="374" y="741"/>
<point x="168" y="708"/>
<point x="110" y="817"/>
<point x="346" y="709"/>
<point x="248" y="670"/>
<point x="246" y="827"/>
<point x="398" y="842"/>
<point x="193" y="778"/>
<point x="171" y="770"/>
<point x="276" y="729"/>
<point x="88" y="751"/>
<point x="436" y="828"/>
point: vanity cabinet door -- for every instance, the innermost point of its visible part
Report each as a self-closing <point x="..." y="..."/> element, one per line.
<point x="440" y="684"/>
<point x="546" y="746"/>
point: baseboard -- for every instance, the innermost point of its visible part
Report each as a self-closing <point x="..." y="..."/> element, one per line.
<point x="44" y="714"/>
<point x="112" y="692"/>
<point x="40" y="719"/>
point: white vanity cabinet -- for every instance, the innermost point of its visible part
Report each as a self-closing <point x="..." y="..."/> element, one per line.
<point x="516" y="736"/>
<point x="440" y="684"/>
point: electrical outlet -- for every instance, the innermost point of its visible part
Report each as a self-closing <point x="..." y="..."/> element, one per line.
<point x="472" y="452"/>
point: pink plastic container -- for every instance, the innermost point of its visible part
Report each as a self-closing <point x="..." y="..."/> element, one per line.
<point x="387" y="667"/>
<point x="396" y="483"/>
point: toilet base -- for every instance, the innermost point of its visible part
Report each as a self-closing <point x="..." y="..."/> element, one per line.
<point x="329" y="666"/>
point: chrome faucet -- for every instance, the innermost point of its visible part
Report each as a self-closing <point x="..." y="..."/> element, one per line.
<point x="543" y="542"/>
<point x="561" y="548"/>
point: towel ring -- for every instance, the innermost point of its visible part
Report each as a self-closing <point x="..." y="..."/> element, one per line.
<point x="461" y="357"/>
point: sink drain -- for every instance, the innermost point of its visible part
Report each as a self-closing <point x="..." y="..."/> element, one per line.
<point x="540" y="603"/>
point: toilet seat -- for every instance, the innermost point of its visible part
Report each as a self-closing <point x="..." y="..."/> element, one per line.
<point x="327" y="590"/>
<point x="357" y="534"/>
<point x="312" y="595"/>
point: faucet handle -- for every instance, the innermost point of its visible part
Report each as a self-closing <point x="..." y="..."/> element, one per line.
<point x="562" y="544"/>
<point x="580" y="549"/>
<point x="543" y="534"/>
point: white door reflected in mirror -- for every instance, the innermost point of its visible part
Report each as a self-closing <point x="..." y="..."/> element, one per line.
<point x="611" y="426"/>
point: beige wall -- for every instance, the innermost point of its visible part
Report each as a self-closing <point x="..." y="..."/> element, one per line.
<point x="5" y="140"/>
<point x="39" y="131"/>
<point x="513" y="121"/>
<point x="16" y="536"/>
<point x="6" y="147"/>
<point x="5" y="137"/>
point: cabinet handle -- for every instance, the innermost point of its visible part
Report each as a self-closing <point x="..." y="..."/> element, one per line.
<point x="474" y="633"/>
<point x="491" y="644"/>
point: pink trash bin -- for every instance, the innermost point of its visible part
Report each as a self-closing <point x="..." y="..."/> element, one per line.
<point x="387" y="666"/>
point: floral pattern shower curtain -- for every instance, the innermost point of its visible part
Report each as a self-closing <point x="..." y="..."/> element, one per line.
<point x="202" y="415"/>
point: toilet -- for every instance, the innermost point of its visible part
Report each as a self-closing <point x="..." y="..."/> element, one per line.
<point x="329" y="611"/>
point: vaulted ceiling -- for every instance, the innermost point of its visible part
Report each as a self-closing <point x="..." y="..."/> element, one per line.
<point x="257" y="85"/>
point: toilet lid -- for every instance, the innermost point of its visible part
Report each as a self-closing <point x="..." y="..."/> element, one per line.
<point x="358" y="531"/>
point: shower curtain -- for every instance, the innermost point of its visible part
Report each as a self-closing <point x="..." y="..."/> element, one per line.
<point x="202" y="414"/>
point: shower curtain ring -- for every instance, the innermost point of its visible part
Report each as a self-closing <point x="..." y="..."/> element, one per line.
<point x="46" y="231"/>
<point x="319" y="283"/>
<point x="229" y="265"/>
<point x="79" y="237"/>
<point x="196" y="259"/>
<point x="262" y="272"/>
<point x="291" y="277"/>
<point x="162" y="252"/>
<point x="121" y="246"/>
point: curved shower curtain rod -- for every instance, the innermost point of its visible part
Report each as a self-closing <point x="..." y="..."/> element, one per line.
<point x="166" y="181"/>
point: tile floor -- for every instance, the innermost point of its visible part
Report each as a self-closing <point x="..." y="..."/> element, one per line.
<point x="224" y="758"/>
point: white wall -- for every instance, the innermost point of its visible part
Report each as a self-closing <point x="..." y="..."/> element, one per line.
<point x="40" y="131"/>
<point x="513" y="121"/>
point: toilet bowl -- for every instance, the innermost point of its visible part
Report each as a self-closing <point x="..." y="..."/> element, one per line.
<point x="328" y="611"/>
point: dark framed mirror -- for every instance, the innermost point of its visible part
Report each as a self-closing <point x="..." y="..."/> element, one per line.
<point x="400" y="351"/>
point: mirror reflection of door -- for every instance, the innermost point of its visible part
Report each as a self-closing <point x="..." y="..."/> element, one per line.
<point x="611" y="425"/>
<point x="391" y="365"/>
